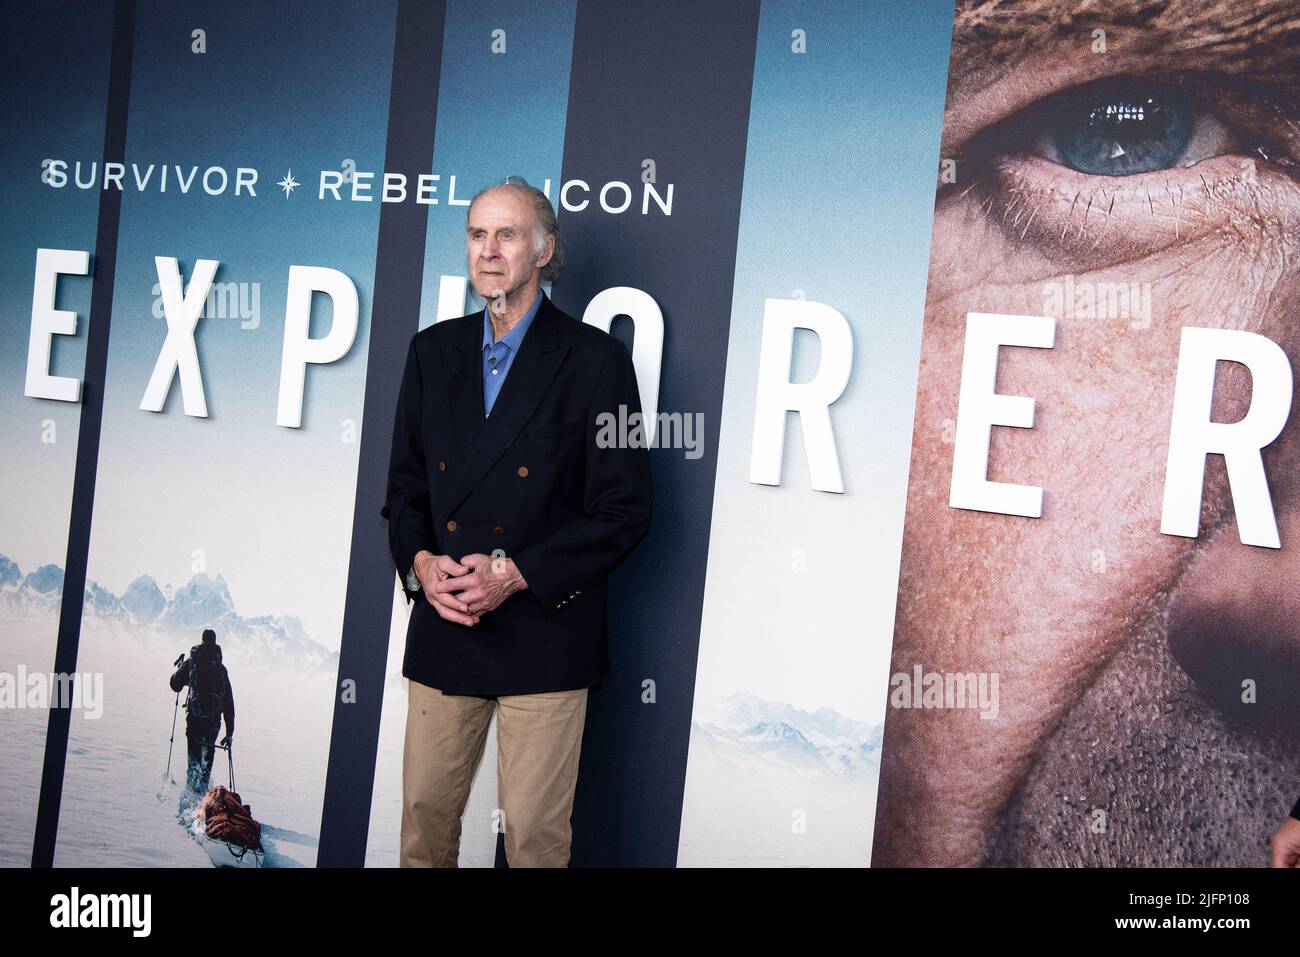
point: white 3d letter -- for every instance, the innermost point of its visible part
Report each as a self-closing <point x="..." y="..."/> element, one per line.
<point x="979" y="408"/>
<point x="647" y="343"/>
<point x="1192" y="434"/>
<point x="451" y="297"/>
<point x="812" y="400"/>
<point x="181" y="310"/>
<point x="48" y="321"/>
<point x="298" y="348"/>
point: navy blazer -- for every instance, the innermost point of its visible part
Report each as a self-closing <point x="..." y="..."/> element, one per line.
<point x="529" y="480"/>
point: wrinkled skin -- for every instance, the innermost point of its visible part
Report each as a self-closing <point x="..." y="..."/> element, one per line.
<point x="1121" y="651"/>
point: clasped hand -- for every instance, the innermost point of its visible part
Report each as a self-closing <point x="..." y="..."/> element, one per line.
<point x="466" y="590"/>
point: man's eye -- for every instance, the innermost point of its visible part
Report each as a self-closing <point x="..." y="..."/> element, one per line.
<point x="1125" y="127"/>
<point x="1119" y="129"/>
<point x="1132" y="162"/>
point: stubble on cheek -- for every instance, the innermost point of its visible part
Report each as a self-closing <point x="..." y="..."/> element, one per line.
<point x="1144" y="772"/>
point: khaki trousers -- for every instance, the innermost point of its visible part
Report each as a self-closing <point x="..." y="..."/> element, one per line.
<point x="539" y="738"/>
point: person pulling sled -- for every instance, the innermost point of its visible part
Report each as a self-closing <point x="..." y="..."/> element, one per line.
<point x="210" y="701"/>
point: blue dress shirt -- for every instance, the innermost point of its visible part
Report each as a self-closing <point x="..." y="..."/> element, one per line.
<point x="500" y="353"/>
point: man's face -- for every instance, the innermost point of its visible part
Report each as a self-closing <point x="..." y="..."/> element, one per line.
<point x="500" y="237"/>
<point x="1159" y="164"/>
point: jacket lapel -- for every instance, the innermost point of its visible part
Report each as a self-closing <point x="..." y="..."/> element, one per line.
<point x="532" y="371"/>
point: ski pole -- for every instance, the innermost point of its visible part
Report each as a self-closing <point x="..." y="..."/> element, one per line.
<point x="171" y="742"/>
<point x="230" y="762"/>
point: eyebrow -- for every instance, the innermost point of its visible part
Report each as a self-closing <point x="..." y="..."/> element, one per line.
<point x="1259" y="38"/>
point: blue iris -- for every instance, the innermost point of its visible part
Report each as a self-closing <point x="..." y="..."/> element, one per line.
<point x="1117" y="130"/>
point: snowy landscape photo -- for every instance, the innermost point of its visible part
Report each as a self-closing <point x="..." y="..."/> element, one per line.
<point x="121" y="806"/>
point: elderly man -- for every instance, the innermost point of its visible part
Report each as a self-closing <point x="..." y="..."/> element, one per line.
<point x="506" y="517"/>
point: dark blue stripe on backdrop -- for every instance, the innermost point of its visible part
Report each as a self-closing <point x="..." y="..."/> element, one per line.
<point x="103" y="268"/>
<point x="412" y="114"/>
<point x="668" y="81"/>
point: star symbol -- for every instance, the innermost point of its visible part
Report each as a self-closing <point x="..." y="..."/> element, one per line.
<point x="288" y="184"/>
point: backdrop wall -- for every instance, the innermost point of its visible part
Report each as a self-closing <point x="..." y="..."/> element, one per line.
<point x="757" y="181"/>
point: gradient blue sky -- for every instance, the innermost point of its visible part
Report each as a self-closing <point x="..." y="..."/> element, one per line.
<point x="52" y="108"/>
<point x="498" y="115"/>
<point x="269" y="507"/>
<point x="838" y="202"/>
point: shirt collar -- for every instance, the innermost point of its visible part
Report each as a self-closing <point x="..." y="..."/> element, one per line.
<point x="515" y="336"/>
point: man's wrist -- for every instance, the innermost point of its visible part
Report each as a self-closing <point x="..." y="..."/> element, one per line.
<point x="413" y="580"/>
<point x="518" y="583"/>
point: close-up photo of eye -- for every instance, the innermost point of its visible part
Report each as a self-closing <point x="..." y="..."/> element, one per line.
<point x="1156" y="156"/>
<point x="1118" y="129"/>
<point x="1126" y="126"/>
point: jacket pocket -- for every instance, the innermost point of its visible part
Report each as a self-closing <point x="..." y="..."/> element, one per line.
<point x="548" y="430"/>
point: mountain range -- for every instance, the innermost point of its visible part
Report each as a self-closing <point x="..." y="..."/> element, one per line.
<point x="747" y="729"/>
<point x="147" y="608"/>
